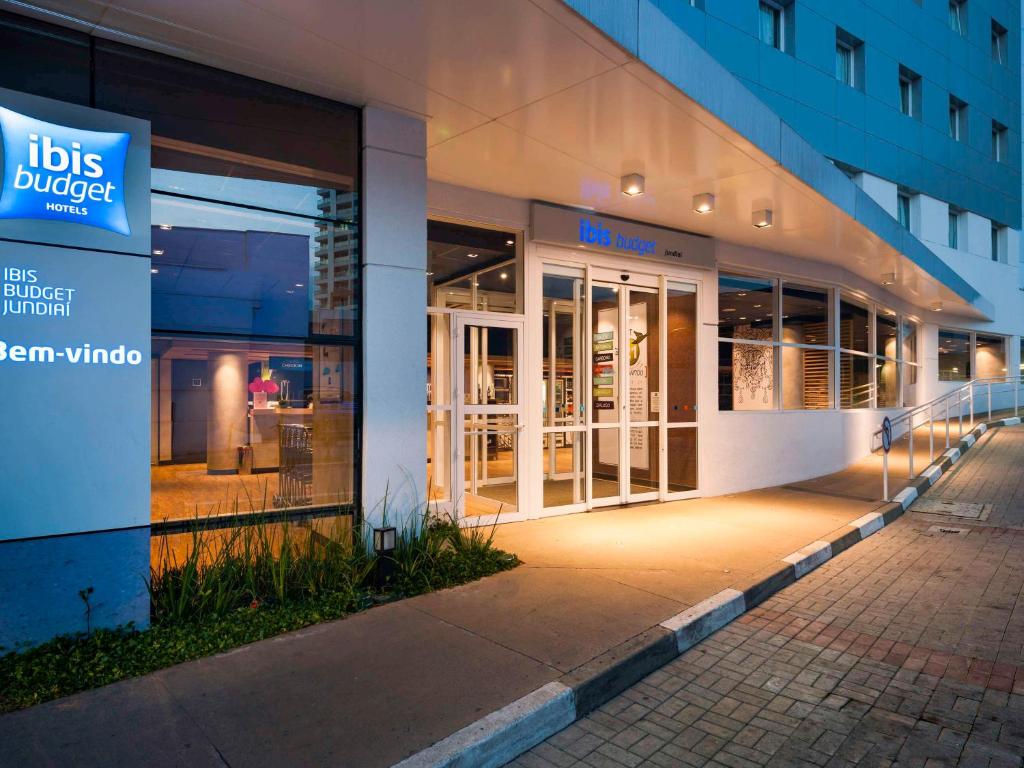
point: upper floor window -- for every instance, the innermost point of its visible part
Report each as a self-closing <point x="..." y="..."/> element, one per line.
<point x="910" y="93"/>
<point x="998" y="42"/>
<point x="772" y="28"/>
<point x="998" y="243"/>
<point x="903" y="209"/>
<point x="849" y="63"/>
<point x="999" y="142"/>
<point x="957" y="119"/>
<point x="958" y="16"/>
<point x="954" y="228"/>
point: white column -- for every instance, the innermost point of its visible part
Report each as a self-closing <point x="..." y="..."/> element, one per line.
<point x="394" y="231"/>
<point x="227" y="423"/>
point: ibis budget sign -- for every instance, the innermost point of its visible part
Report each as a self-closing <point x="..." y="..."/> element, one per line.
<point x="58" y="172"/>
<point x="74" y="318"/>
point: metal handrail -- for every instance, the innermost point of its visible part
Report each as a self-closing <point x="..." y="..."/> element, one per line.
<point x="951" y="405"/>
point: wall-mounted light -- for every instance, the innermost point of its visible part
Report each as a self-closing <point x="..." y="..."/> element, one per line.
<point x="632" y="184"/>
<point x="888" y="278"/>
<point x="936" y="306"/>
<point x="704" y="202"/>
<point x="762" y="219"/>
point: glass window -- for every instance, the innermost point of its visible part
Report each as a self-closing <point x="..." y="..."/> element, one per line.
<point x="903" y="209"/>
<point x="887" y="350"/>
<point x="954" y="355"/>
<point x="805" y="315"/>
<point x="910" y="92"/>
<point x="255" y="304"/>
<point x="854" y="326"/>
<point x="957" y="119"/>
<point x="886" y="340"/>
<point x="681" y="399"/>
<point x="855" y="388"/>
<point x="910" y="367"/>
<point x="990" y="356"/>
<point x="472" y="268"/>
<point x="906" y="101"/>
<point x="771" y="26"/>
<point x="806" y="373"/>
<point x="251" y="426"/>
<point x="997" y="250"/>
<point x="999" y="139"/>
<point x="746" y="359"/>
<point x="844" y="63"/>
<point x="998" y="42"/>
<point x="563" y="346"/>
<point x="958" y="16"/>
<point x="954" y="229"/>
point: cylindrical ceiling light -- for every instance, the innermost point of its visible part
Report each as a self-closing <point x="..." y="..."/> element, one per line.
<point x="762" y="219"/>
<point x="888" y="278"/>
<point x="704" y="202"/>
<point x="632" y="184"/>
<point x="936" y="306"/>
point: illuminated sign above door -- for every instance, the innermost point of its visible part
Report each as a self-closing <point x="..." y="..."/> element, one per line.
<point x="574" y="228"/>
<point x="57" y="172"/>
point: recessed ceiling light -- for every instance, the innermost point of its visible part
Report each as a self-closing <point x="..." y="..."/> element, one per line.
<point x="166" y="227"/>
<point x="729" y="309"/>
<point x="758" y="306"/>
<point x="704" y="203"/>
<point x="510" y="242"/>
<point x="158" y="251"/>
<point x="742" y="293"/>
<point x="300" y="285"/>
<point x="888" y="278"/>
<point x="472" y="255"/>
<point x="504" y="275"/>
<point x="936" y="306"/>
<point x="154" y="271"/>
<point x="632" y="184"/>
<point x="743" y="318"/>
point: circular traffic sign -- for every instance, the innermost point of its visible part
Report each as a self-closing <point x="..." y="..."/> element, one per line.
<point x="886" y="434"/>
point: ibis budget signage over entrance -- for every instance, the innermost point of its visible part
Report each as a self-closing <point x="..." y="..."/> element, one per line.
<point x="74" y="318"/>
<point x="576" y="228"/>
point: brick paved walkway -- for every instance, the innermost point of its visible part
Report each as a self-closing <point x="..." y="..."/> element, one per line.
<point x="907" y="650"/>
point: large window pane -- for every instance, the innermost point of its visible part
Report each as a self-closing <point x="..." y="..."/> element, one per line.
<point x="682" y="459"/>
<point x="746" y="376"/>
<point x="954" y="356"/>
<point x="886" y="339"/>
<point x="805" y="315"/>
<point x="245" y="426"/>
<point x="562" y="349"/>
<point x="806" y="378"/>
<point x="855" y="389"/>
<point x="681" y="399"/>
<point x="887" y="372"/>
<point x="644" y="356"/>
<point x="745" y="307"/>
<point x="472" y="268"/>
<point x="854" y="327"/>
<point x="563" y="468"/>
<point x="990" y="356"/>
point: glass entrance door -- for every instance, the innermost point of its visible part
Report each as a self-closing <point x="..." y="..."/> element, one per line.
<point x="488" y="414"/>
<point x="642" y="389"/>
<point x="625" y="393"/>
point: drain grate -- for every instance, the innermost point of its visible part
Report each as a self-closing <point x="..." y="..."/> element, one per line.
<point x="966" y="509"/>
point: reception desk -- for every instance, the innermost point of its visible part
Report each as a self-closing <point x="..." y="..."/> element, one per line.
<point x="265" y="434"/>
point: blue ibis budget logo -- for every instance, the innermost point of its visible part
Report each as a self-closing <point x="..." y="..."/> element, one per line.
<point x="64" y="174"/>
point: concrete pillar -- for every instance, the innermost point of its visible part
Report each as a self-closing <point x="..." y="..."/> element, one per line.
<point x="394" y="234"/>
<point x="227" y="422"/>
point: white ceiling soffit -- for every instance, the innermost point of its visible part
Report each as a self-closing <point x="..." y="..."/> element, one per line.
<point x="522" y="98"/>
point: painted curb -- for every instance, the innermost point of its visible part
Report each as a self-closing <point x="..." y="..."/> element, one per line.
<point x="508" y="732"/>
<point x="504" y="734"/>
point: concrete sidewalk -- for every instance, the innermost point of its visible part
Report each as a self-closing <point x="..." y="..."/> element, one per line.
<point x="905" y="650"/>
<point x="375" y="688"/>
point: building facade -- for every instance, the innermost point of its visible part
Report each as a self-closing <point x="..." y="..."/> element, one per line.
<point x="500" y="260"/>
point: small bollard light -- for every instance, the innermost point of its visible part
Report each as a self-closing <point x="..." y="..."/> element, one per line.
<point x="384" y="540"/>
<point x="384" y="548"/>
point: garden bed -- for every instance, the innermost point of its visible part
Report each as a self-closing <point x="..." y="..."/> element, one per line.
<point x="226" y="589"/>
